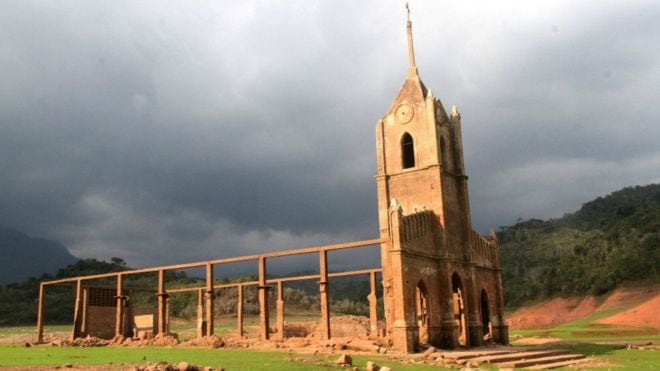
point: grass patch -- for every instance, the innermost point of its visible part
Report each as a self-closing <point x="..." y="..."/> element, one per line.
<point x="585" y="329"/>
<point x="230" y="359"/>
<point x="609" y="357"/>
<point x="584" y="333"/>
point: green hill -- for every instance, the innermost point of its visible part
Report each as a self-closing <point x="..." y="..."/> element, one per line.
<point x="610" y="240"/>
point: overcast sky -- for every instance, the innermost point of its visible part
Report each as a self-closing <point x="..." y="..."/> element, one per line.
<point x="165" y="132"/>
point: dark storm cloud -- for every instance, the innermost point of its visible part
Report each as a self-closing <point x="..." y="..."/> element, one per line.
<point x="164" y="132"/>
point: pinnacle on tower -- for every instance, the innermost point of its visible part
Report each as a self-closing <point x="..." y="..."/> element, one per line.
<point x="454" y="112"/>
<point x="412" y="68"/>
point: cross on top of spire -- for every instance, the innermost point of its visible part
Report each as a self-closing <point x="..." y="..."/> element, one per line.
<point x="412" y="68"/>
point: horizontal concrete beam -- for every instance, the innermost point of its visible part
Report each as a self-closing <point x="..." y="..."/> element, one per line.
<point x="307" y="250"/>
<point x="277" y="280"/>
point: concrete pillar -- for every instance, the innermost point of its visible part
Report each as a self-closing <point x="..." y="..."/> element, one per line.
<point x="200" y="313"/>
<point x="373" y="307"/>
<point x="75" y="332"/>
<point x="239" y="312"/>
<point x="263" y="300"/>
<point x="209" y="295"/>
<point x="119" y="313"/>
<point x="162" y="304"/>
<point x="280" y="311"/>
<point x="127" y="329"/>
<point x="167" y="315"/>
<point x="40" y="314"/>
<point x="85" y="304"/>
<point x="323" y="292"/>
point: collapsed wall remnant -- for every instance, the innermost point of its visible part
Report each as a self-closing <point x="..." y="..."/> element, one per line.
<point x="441" y="279"/>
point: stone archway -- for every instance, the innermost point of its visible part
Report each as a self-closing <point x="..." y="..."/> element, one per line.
<point x="422" y="311"/>
<point x="458" y="296"/>
<point x="485" y="316"/>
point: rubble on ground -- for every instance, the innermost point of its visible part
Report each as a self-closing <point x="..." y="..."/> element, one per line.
<point x="89" y="341"/>
<point x="158" y="340"/>
<point x="181" y="366"/>
<point x="212" y="341"/>
<point x="344" y="360"/>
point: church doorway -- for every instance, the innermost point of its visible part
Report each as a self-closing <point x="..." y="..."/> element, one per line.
<point x="422" y="311"/>
<point x="459" y="309"/>
<point x="485" y="316"/>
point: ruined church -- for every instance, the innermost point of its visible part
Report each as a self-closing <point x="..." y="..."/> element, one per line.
<point x="442" y="280"/>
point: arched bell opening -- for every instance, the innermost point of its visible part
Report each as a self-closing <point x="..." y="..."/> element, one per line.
<point x="407" y="151"/>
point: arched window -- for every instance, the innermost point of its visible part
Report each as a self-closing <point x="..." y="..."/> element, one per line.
<point x="407" y="151"/>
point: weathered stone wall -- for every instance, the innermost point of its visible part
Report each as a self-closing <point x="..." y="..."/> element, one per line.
<point x="101" y="322"/>
<point x="484" y="253"/>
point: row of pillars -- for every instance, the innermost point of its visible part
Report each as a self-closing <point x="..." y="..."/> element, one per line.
<point x="205" y="307"/>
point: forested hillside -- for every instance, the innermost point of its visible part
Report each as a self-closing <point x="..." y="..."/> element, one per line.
<point x="610" y="240"/>
<point x="18" y="301"/>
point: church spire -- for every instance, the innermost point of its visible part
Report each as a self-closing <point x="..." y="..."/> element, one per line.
<point x="412" y="68"/>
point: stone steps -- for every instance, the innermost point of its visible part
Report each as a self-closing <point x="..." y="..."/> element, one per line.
<point x="532" y="358"/>
<point x="548" y="366"/>
<point x="472" y="354"/>
<point x="538" y="361"/>
<point x="518" y="356"/>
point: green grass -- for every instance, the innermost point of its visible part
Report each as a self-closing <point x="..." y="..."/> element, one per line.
<point x="585" y="329"/>
<point x="608" y="357"/>
<point x="230" y="359"/>
<point x="585" y="336"/>
<point x="580" y="335"/>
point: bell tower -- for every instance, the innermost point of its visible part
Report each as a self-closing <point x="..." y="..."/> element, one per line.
<point x="423" y="210"/>
<point x="418" y="144"/>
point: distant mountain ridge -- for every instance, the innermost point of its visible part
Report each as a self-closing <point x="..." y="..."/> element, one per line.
<point x="23" y="256"/>
<point x="608" y="241"/>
